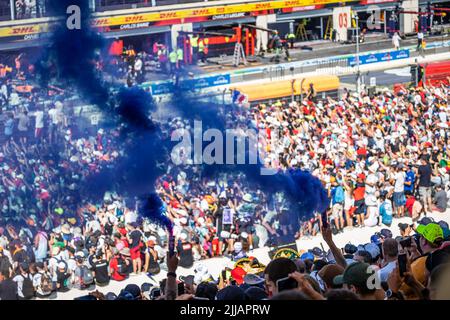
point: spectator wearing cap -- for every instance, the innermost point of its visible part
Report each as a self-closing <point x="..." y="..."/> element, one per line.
<point x="431" y="237"/>
<point x="357" y="278"/>
<point x="231" y="293"/>
<point x="134" y="290"/>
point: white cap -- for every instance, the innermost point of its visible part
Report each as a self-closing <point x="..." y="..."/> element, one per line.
<point x="183" y="236"/>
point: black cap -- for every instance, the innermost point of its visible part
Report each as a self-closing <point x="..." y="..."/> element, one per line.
<point x="110" y="296"/>
<point x="386" y="233"/>
<point x="256" y="293"/>
<point x="134" y="290"/>
<point x="231" y="293"/>
<point x="146" y="287"/>
<point x="350" y="248"/>
<point x="425" y="221"/>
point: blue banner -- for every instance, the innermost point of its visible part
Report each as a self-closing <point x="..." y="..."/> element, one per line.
<point x="379" y="57"/>
<point x="167" y="87"/>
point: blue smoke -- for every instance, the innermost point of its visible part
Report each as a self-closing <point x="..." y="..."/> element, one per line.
<point x="152" y="207"/>
<point x="71" y="59"/>
<point x="305" y="192"/>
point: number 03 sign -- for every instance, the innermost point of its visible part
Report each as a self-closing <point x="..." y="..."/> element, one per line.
<point x="341" y="22"/>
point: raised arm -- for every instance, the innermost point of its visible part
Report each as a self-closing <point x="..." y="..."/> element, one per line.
<point x="337" y="254"/>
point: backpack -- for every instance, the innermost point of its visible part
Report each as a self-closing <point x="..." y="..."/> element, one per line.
<point x="339" y="195"/>
<point x="61" y="259"/>
<point x="30" y="254"/>
<point x="27" y="287"/>
<point x="386" y="213"/>
<point x="87" y="277"/>
<point x="46" y="284"/>
<point x="122" y="267"/>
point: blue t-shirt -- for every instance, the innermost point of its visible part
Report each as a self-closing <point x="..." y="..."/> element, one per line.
<point x="337" y="195"/>
<point x="386" y="212"/>
<point x="410" y="177"/>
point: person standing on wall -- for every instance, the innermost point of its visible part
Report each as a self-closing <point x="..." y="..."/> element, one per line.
<point x="180" y="58"/>
<point x="194" y="44"/>
<point x="173" y="58"/>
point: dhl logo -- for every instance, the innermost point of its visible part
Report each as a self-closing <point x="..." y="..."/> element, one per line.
<point x="134" y="19"/>
<point x="23" y="30"/>
<point x="167" y="15"/>
<point x="200" y="12"/>
<point x="262" y="6"/>
<point x="100" y="22"/>
<point x="291" y="3"/>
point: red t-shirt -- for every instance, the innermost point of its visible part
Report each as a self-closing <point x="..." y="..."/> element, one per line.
<point x="409" y="205"/>
<point x="362" y="151"/>
<point x="115" y="275"/>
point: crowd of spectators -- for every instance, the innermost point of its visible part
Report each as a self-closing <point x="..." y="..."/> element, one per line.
<point x="380" y="157"/>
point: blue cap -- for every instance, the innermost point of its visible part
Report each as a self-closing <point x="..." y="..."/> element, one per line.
<point x="307" y="256"/>
<point x="375" y="239"/>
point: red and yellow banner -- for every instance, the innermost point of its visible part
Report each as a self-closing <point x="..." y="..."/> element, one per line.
<point x="173" y="15"/>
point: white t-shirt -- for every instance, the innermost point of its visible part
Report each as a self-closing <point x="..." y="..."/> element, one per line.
<point x="372" y="179"/>
<point x="20" y="279"/>
<point x="399" y="181"/>
<point x="39" y="119"/>
<point x="54" y="114"/>
<point x="386" y="271"/>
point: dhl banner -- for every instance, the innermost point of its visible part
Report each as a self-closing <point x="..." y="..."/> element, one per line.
<point x="209" y="11"/>
<point x="25" y="30"/>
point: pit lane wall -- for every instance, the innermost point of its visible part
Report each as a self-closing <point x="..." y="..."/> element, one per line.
<point x="219" y="83"/>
